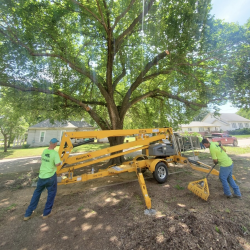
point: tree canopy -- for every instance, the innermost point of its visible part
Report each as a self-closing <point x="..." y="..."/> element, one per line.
<point x="124" y="63"/>
<point x="237" y="76"/>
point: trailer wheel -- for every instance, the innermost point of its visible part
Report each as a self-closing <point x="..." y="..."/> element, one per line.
<point x="161" y="172"/>
<point x="235" y="143"/>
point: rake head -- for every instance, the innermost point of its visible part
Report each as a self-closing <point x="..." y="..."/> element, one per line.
<point x="200" y="188"/>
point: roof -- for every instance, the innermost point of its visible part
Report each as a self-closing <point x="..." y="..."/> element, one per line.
<point x="231" y="117"/>
<point x="227" y="117"/>
<point x="63" y="124"/>
<point x="197" y="124"/>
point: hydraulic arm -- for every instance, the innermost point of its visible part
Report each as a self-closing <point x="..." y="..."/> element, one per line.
<point x="158" y="146"/>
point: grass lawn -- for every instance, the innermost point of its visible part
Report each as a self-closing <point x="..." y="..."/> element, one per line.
<point x="242" y="136"/>
<point x="237" y="150"/>
<point x="20" y="152"/>
<point x="29" y="152"/>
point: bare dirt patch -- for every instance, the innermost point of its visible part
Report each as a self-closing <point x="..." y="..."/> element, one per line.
<point x="108" y="213"/>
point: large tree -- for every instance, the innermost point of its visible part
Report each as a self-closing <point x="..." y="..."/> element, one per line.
<point x="237" y="75"/>
<point x="146" y="60"/>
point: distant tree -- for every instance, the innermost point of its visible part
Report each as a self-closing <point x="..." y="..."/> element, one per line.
<point x="237" y="74"/>
<point x="201" y="114"/>
<point x="244" y="113"/>
<point x="12" y="124"/>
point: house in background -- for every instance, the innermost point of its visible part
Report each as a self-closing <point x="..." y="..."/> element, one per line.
<point x="200" y="127"/>
<point x="39" y="135"/>
<point x="227" y="121"/>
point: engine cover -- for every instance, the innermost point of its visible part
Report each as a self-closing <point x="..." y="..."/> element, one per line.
<point x="160" y="149"/>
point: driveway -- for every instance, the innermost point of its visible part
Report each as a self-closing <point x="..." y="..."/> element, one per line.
<point x="244" y="142"/>
<point x="33" y="163"/>
<point x="20" y="165"/>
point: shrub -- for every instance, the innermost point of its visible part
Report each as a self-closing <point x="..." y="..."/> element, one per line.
<point x="25" y="145"/>
<point x="243" y="131"/>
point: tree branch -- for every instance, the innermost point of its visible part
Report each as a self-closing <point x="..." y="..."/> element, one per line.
<point x="93" y="14"/>
<point x="164" y="72"/>
<point x="123" y="14"/>
<point x="92" y="75"/>
<point x="100" y="11"/>
<point x="161" y="93"/>
<point x="116" y="81"/>
<point x="91" y="112"/>
<point x="140" y="78"/>
<point x="133" y="24"/>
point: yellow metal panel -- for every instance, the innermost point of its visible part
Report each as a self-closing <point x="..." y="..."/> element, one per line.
<point x="154" y="163"/>
<point x="111" y="133"/>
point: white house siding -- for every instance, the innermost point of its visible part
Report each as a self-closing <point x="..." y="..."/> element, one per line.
<point x="197" y="129"/>
<point x="34" y="136"/>
<point x="208" y="118"/>
<point x="221" y="126"/>
<point x="54" y="130"/>
<point x="228" y="118"/>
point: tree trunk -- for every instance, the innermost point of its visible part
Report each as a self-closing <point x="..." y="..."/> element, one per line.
<point x="113" y="141"/>
<point x="9" y="140"/>
<point x="5" y="142"/>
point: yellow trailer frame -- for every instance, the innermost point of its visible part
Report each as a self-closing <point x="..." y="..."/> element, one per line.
<point x="144" y="137"/>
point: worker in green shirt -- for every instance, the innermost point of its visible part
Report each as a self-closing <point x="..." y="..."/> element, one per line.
<point x="50" y="160"/>
<point x="201" y="144"/>
<point x="220" y="157"/>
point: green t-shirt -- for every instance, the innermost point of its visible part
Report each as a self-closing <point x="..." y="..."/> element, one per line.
<point x="200" y="138"/>
<point x="219" y="154"/>
<point x="48" y="166"/>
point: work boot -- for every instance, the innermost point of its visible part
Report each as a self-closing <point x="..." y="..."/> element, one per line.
<point x="237" y="196"/>
<point x="26" y="218"/>
<point x="229" y="196"/>
<point x="46" y="216"/>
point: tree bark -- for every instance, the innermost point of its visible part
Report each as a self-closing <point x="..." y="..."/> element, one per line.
<point x="114" y="141"/>
<point x="10" y="135"/>
<point x="5" y="136"/>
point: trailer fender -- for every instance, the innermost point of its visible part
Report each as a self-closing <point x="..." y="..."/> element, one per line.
<point x="154" y="163"/>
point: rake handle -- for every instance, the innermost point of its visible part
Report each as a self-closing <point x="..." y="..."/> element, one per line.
<point x="211" y="170"/>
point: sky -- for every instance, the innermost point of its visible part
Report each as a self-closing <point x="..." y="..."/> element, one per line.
<point x="231" y="10"/>
<point x="237" y="11"/>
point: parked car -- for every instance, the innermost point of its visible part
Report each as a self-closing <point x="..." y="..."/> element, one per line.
<point x="223" y="139"/>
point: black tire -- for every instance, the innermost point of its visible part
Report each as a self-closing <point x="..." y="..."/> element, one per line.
<point x="161" y="172"/>
<point x="235" y="143"/>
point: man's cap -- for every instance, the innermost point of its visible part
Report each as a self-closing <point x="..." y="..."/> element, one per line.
<point x="54" y="140"/>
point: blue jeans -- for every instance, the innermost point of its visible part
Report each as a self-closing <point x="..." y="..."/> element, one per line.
<point x="51" y="185"/>
<point x="227" y="179"/>
<point x="202" y="146"/>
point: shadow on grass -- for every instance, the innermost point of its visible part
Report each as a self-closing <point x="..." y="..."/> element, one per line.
<point x="5" y="154"/>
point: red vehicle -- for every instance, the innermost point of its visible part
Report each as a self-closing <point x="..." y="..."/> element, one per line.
<point x="223" y="139"/>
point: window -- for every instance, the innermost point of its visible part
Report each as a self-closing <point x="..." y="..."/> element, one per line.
<point x="189" y="129"/>
<point x="247" y="125"/>
<point x="216" y="129"/>
<point x="234" y="125"/>
<point x="240" y="125"/>
<point x="42" y="136"/>
<point x="201" y="129"/>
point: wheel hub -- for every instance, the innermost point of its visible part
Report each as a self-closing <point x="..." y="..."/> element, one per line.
<point x="161" y="172"/>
